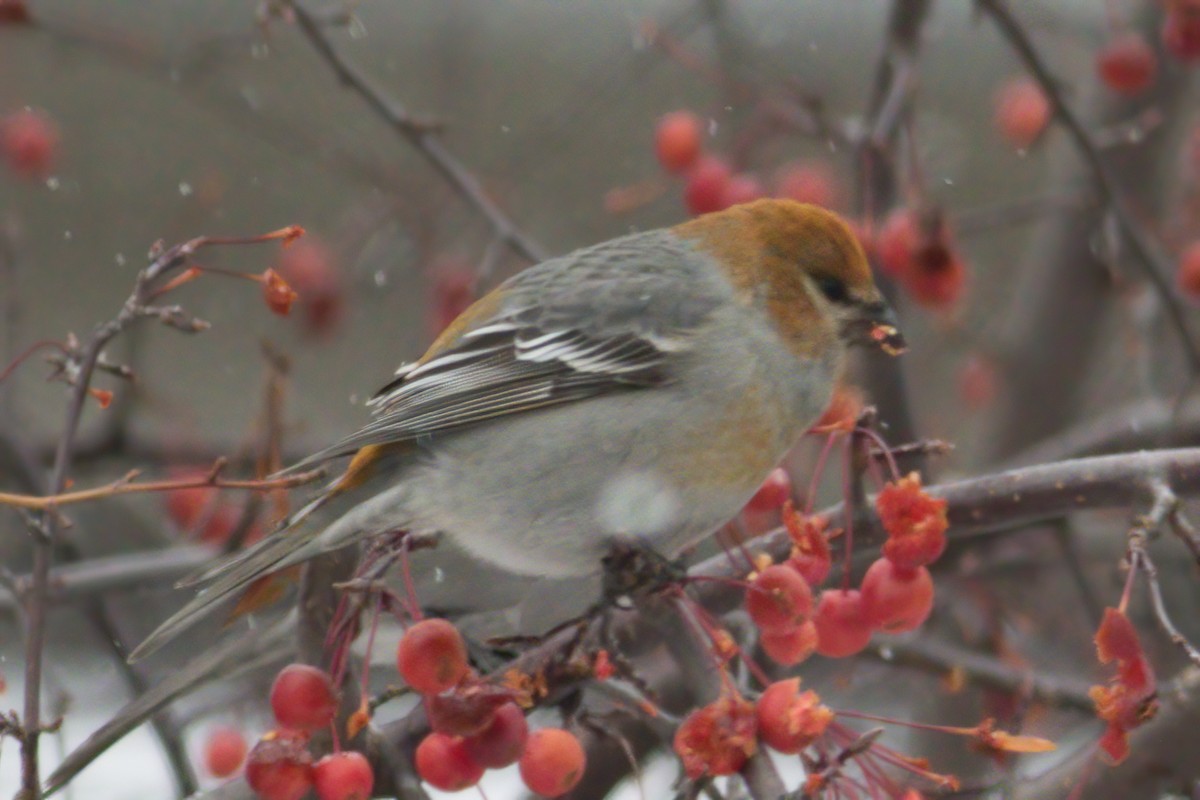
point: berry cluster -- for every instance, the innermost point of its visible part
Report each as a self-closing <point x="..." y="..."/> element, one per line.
<point x="712" y="184"/>
<point x="896" y="593"/>
<point x="916" y="248"/>
<point x="280" y="767"/>
<point x="718" y="739"/>
<point x="476" y="725"/>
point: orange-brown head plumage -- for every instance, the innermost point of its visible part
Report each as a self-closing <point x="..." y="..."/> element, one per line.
<point x="802" y="263"/>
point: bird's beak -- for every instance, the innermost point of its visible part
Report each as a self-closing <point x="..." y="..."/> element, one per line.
<point x="877" y="326"/>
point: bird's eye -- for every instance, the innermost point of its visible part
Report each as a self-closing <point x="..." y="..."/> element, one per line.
<point x="833" y="289"/>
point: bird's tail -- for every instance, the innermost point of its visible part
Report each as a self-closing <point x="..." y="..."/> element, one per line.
<point x="295" y="541"/>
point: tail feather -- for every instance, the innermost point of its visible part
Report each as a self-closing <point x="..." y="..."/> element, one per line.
<point x="292" y="543"/>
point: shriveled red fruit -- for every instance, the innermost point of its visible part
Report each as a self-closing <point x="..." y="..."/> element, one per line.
<point x="310" y="267"/>
<point x="345" y="775"/>
<point x="808" y="182"/>
<point x="717" y="739"/>
<point x="1181" y="30"/>
<point x="790" y="720"/>
<point x="677" y="140"/>
<point x="466" y="709"/>
<point x="896" y="241"/>
<point x="280" y="766"/>
<point x="1188" y="274"/>
<point x="1127" y="64"/>
<point x="938" y="274"/>
<point x="29" y="143"/>
<point x="432" y="656"/>
<point x="1021" y="111"/>
<point x="842" y="626"/>
<point x="302" y="697"/>
<point x="779" y="599"/>
<point x="915" y="522"/>
<point x="224" y="751"/>
<point x="742" y="188"/>
<point x="896" y="599"/>
<point x="443" y="762"/>
<point x="792" y="646"/>
<point x="553" y="762"/>
<point x="502" y="742"/>
<point x="774" y="492"/>
<point x="277" y="294"/>
<point x="705" y="187"/>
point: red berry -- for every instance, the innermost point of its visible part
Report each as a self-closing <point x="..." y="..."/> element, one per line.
<point x="774" y="492"/>
<point x="553" y="762"/>
<point x="185" y="507"/>
<point x="896" y="599"/>
<point x="345" y="775"/>
<point x="29" y="141"/>
<point x="740" y="189"/>
<point x="443" y="762"/>
<point x="677" y="140"/>
<point x="896" y="241"/>
<point x="811" y="556"/>
<point x="1127" y="64"/>
<point x="843" y="411"/>
<point x="13" y="12"/>
<point x="790" y="720"/>
<point x="842" y="626"/>
<point x="280" y="766"/>
<point x="1181" y="30"/>
<point x="779" y="599"/>
<point x="705" y="187"/>
<point x="224" y="751"/>
<point x="937" y="277"/>
<point x="503" y="741"/>
<point x="1021" y="111"/>
<point x="915" y="522"/>
<point x="432" y="656"/>
<point x="1188" y="275"/>
<point x="311" y="269"/>
<point x="791" y="647"/>
<point x="977" y="382"/>
<point x="303" y="698"/>
<point x="808" y="182"/>
<point x="717" y="739"/>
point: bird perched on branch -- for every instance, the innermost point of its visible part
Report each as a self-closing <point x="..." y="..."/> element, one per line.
<point x="636" y="390"/>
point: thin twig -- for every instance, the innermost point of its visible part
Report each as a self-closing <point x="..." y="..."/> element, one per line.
<point x="126" y="486"/>
<point x="425" y="140"/>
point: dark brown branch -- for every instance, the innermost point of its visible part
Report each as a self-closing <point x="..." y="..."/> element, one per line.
<point x="425" y="140"/>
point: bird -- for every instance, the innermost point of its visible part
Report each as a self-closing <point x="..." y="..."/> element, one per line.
<point x="637" y="390"/>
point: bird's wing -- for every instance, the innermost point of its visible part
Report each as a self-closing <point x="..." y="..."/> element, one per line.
<point x="559" y="333"/>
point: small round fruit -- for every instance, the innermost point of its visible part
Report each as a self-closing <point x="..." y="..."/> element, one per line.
<point x="842" y="626"/>
<point x="280" y="766"/>
<point x="1021" y="111"/>
<point x="1188" y="274"/>
<point x="677" y="140"/>
<point x="705" y="187"/>
<point x="29" y="143"/>
<point x="808" y="182"/>
<point x="896" y="599"/>
<point x="779" y="599"/>
<point x="502" y="742"/>
<point x="224" y="751"/>
<point x="742" y="189"/>
<point x="790" y="720"/>
<point x="303" y="697"/>
<point x="1181" y="30"/>
<point x="790" y="647"/>
<point x="1127" y="64"/>
<point x="896" y="241"/>
<point x="345" y="775"/>
<point x="553" y="762"/>
<point x="443" y="762"/>
<point x="432" y="656"/>
<point x="776" y="489"/>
